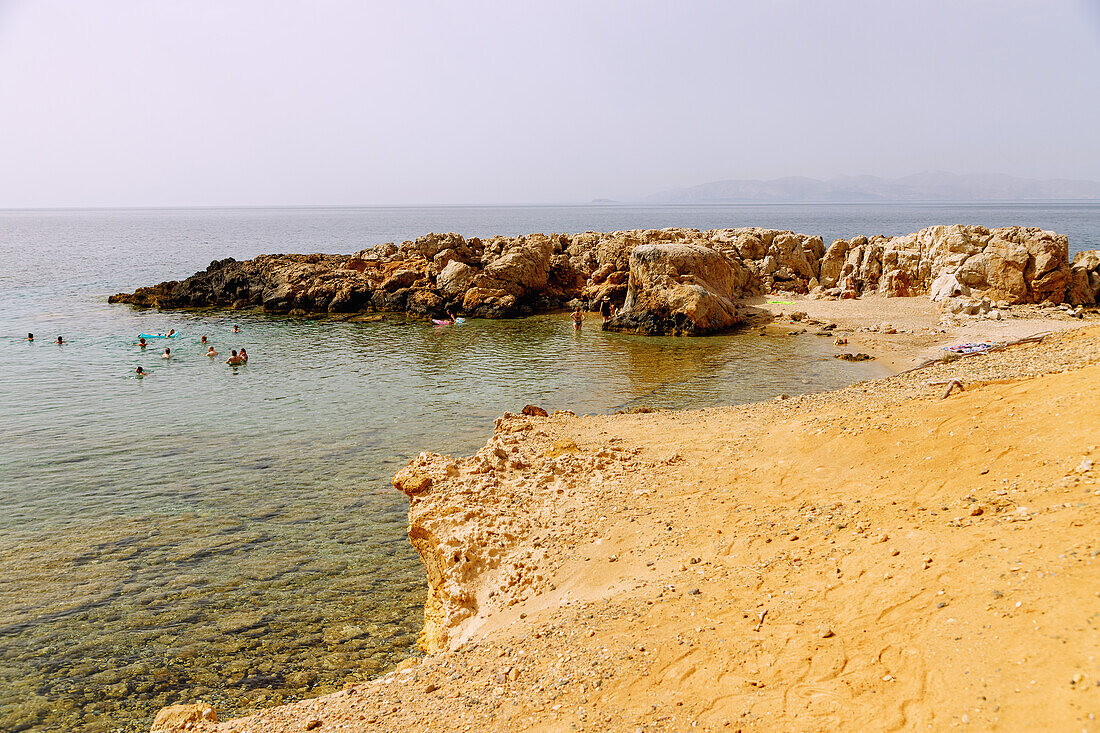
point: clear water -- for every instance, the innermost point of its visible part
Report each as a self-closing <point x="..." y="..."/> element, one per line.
<point x="231" y="534"/>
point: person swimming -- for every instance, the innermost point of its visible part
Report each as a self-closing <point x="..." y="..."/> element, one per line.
<point x="202" y="340"/>
<point x="578" y="319"/>
<point x="59" y="341"/>
<point x="30" y="337"/>
<point x="244" y="356"/>
<point x="233" y="359"/>
<point x="171" y="332"/>
<point x="236" y="328"/>
<point x="167" y="354"/>
<point x="210" y="352"/>
<point x="140" y="373"/>
<point x="141" y="342"/>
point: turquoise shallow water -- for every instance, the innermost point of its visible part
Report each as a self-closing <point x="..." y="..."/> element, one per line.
<point x="231" y="534"/>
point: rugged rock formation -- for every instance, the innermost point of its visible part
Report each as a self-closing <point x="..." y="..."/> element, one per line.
<point x="680" y="289"/>
<point x="669" y="280"/>
<point x="1013" y="264"/>
<point x="1084" y="287"/>
<point x="472" y="520"/>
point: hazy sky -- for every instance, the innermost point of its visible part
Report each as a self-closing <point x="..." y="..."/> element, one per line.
<point x="146" y="103"/>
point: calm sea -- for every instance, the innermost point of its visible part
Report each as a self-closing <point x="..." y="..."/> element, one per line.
<point x="231" y="534"/>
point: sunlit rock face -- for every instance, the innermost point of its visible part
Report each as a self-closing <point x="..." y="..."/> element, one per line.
<point x="664" y="281"/>
<point x="680" y="289"/>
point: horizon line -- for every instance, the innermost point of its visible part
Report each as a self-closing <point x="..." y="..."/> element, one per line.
<point x="592" y="203"/>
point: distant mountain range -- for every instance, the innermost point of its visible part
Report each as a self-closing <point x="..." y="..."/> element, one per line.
<point x="929" y="186"/>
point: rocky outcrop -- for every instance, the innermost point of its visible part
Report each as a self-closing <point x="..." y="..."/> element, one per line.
<point x="1012" y="264"/>
<point x="1084" y="287"/>
<point x="666" y="280"/>
<point x="480" y="523"/>
<point x="680" y="289"/>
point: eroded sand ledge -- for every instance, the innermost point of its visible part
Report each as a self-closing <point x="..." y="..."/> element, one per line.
<point x="875" y="558"/>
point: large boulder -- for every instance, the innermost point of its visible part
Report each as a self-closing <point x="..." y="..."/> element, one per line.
<point x="523" y="266"/>
<point x="1084" y="287"/>
<point x="455" y="279"/>
<point x="488" y="303"/>
<point x="947" y="286"/>
<point x="679" y="289"/>
<point x="1019" y="266"/>
<point x="832" y="264"/>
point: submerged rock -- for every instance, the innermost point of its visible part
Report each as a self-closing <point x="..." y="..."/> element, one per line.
<point x="182" y="717"/>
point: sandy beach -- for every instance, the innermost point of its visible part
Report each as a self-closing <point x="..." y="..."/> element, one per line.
<point x="904" y="332"/>
<point x="876" y="558"/>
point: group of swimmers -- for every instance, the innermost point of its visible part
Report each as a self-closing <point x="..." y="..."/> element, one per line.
<point x="237" y="357"/>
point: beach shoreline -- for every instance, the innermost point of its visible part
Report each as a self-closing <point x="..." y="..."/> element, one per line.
<point x="870" y="558"/>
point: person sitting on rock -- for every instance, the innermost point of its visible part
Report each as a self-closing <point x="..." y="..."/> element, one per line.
<point x="167" y="354"/>
<point x="210" y="352"/>
<point x="233" y="359"/>
<point x="578" y="319"/>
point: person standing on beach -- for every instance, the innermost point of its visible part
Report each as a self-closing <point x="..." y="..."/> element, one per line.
<point x="578" y="319"/>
